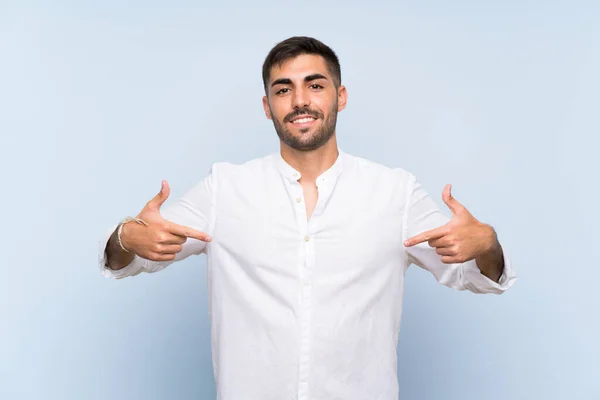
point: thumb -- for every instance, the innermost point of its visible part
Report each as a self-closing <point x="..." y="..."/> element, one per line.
<point x="161" y="197"/>
<point x="450" y="201"/>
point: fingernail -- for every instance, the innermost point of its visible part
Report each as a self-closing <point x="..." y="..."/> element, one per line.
<point x="208" y="239"/>
<point x="406" y="242"/>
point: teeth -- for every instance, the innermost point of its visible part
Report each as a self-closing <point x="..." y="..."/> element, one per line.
<point x="303" y="120"/>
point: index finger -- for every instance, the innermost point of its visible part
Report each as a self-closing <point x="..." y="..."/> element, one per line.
<point x="425" y="236"/>
<point x="188" y="232"/>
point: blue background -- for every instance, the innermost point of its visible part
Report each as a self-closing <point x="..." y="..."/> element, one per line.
<point x="100" y="101"/>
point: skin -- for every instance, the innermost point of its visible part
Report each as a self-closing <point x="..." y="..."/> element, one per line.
<point x="300" y="87"/>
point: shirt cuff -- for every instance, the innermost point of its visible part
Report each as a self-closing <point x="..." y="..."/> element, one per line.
<point x="133" y="268"/>
<point x="477" y="282"/>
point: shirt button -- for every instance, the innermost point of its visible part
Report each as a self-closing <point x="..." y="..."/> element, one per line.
<point x="298" y="200"/>
<point x="306" y="238"/>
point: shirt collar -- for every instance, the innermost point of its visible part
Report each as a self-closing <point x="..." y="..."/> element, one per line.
<point x="292" y="174"/>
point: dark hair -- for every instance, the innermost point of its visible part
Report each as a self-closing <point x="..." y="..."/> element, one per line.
<point x="298" y="45"/>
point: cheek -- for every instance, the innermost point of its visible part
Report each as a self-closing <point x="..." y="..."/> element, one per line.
<point x="278" y="110"/>
<point x="326" y="105"/>
<point x="273" y="113"/>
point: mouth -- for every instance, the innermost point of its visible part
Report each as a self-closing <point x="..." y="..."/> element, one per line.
<point x="303" y="120"/>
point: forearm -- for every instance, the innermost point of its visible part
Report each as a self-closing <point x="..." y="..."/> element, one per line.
<point x="116" y="257"/>
<point x="491" y="263"/>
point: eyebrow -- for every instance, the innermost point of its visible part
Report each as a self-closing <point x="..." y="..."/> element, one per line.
<point x="288" y="81"/>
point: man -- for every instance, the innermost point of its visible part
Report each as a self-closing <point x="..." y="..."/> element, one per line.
<point x="307" y="248"/>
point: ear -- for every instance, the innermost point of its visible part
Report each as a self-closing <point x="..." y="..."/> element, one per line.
<point x="265" y="102"/>
<point x="342" y="97"/>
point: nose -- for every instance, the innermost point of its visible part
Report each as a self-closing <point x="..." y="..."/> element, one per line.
<point x="300" y="99"/>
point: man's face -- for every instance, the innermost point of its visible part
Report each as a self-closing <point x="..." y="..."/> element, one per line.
<point x="303" y="102"/>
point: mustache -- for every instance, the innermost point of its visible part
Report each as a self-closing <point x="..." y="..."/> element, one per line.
<point x="303" y="111"/>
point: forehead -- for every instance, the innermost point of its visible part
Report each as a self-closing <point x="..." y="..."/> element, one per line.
<point x="300" y="66"/>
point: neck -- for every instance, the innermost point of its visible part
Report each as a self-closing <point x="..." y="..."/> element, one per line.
<point x="312" y="163"/>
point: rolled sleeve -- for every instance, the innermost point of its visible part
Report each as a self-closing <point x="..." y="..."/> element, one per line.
<point x="477" y="282"/>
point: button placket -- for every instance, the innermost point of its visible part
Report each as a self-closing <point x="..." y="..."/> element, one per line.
<point x="305" y="282"/>
<point x="306" y="264"/>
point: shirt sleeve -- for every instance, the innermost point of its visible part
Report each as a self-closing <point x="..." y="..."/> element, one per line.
<point x="422" y="214"/>
<point x="194" y="209"/>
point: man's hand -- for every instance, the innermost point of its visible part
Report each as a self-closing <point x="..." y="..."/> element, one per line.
<point x="462" y="239"/>
<point x="160" y="240"/>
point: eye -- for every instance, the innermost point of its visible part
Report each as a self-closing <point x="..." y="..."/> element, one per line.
<point x="316" y="86"/>
<point x="282" y="91"/>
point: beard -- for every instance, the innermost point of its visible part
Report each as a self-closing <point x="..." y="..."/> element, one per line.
<point x="307" y="141"/>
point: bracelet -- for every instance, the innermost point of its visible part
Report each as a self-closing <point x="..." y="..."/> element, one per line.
<point x="126" y="220"/>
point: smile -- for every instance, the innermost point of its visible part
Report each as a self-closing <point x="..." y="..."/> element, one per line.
<point x="303" y="120"/>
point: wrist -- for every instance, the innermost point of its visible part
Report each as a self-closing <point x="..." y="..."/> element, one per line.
<point x="122" y="237"/>
<point x="491" y="263"/>
<point x="122" y="232"/>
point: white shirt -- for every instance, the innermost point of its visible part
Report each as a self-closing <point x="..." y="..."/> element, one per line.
<point x="309" y="310"/>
